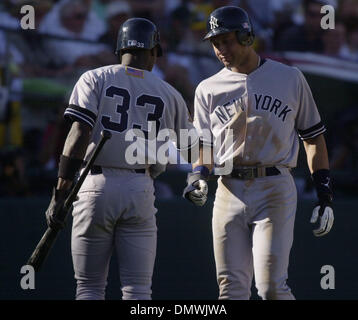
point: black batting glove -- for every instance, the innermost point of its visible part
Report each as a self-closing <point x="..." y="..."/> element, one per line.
<point x="323" y="213"/>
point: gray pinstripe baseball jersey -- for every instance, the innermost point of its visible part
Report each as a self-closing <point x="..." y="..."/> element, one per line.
<point x="120" y="98"/>
<point x="264" y="116"/>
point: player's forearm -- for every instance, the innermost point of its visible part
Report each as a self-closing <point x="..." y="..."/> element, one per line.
<point x="75" y="148"/>
<point x="316" y="152"/>
<point x="77" y="141"/>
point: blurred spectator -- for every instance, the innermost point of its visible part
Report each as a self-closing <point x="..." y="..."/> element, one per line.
<point x="171" y="5"/>
<point x="334" y="42"/>
<point x="348" y="11"/>
<point x="53" y="140"/>
<point x="220" y="3"/>
<point x="192" y="52"/>
<point x="193" y="38"/>
<point x="286" y="16"/>
<point x="169" y="69"/>
<point x="10" y="18"/>
<point x="11" y="135"/>
<point x="270" y="19"/>
<point x="12" y="173"/>
<point x="32" y="58"/>
<point x="73" y="19"/>
<point x="262" y="16"/>
<point x="42" y="150"/>
<point x="178" y="76"/>
<point x="116" y="14"/>
<point x="153" y="10"/>
<point x="305" y="37"/>
<point x="11" y="14"/>
<point x="178" y="26"/>
<point x="352" y="41"/>
<point x="100" y="7"/>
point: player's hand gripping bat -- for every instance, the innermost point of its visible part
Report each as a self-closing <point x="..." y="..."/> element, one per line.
<point x="43" y="247"/>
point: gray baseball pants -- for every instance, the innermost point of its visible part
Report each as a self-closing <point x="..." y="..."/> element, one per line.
<point x="253" y="223"/>
<point x="114" y="213"/>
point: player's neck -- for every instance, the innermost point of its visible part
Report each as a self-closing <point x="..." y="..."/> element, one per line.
<point x="135" y="62"/>
<point x="249" y="65"/>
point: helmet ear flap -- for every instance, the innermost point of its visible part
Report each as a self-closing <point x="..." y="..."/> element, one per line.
<point x="159" y="50"/>
<point x="245" y="38"/>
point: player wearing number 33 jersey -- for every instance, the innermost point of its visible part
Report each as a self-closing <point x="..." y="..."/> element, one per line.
<point x="255" y="110"/>
<point x="115" y="208"/>
<point x="119" y="98"/>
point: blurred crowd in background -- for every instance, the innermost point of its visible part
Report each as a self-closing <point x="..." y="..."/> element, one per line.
<point x="38" y="67"/>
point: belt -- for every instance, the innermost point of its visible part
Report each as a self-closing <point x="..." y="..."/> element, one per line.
<point x="98" y="170"/>
<point x="251" y="173"/>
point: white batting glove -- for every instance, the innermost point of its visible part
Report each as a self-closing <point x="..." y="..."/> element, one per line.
<point x="200" y="195"/>
<point x="325" y="219"/>
<point x="196" y="190"/>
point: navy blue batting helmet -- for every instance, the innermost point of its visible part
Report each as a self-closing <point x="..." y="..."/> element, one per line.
<point x="138" y="33"/>
<point x="230" y="18"/>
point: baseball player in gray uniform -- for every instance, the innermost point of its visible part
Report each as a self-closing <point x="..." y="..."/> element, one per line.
<point x="264" y="107"/>
<point x="115" y="208"/>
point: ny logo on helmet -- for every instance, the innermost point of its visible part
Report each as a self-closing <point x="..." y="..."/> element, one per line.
<point x="213" y="22"/>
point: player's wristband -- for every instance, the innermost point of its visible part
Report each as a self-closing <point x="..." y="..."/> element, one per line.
<point x="68" y="167"/>
<point x="203" y="170"/>
<point x="322" y="181"/>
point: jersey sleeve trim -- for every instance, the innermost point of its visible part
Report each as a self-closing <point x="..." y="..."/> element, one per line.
<point x="312" y="132"/>
<point x="76" y="113"/>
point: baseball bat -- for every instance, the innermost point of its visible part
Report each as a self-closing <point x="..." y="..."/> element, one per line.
<point x="45" y="244"/>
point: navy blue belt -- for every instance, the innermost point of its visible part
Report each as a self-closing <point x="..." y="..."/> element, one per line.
<point x="251" y="173"/>
<point x="98" y="170"/>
